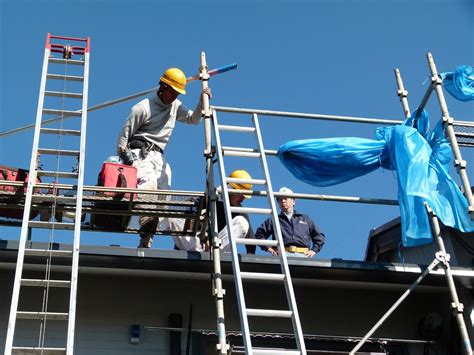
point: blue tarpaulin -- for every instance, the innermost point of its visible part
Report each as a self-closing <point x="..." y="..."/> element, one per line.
<point x="420" y="159"/>
<point x="460" y="82"/>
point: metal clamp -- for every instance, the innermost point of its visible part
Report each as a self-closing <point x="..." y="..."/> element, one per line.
<point x="460" y="164"/>
<point x="457" y="307"/>
<point x="449" y="120"/>
<point x="223" y="351"/>
<point x="219" y="293"/>
<point x="436" y="80"/>
<point x="402" y="93"/>
<point x="444" y="258"/>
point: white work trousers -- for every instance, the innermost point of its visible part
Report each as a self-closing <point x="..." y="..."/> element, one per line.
<point x="153" y="172"/>
<point x="240" y="228"/>
<point x="187" y="243"/>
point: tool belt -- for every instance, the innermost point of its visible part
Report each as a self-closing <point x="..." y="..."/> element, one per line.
<point x="293" y="249"/>
<point x="144" y="146"/>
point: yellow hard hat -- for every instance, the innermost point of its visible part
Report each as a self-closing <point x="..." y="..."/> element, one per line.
<point x="176" y="79"/>
<point x="241" y="174"/>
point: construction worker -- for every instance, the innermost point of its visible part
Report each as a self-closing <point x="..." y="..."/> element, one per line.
<point x="241" y="227"/>
<point x="144" y="136"/>
<point x="301" y="236"/>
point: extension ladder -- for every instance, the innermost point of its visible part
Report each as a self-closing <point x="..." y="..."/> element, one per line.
<point x="72" y="58"/>
<point x="239" y="276"/>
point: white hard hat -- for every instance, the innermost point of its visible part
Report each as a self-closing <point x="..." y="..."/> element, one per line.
<point x="285" y="190"/>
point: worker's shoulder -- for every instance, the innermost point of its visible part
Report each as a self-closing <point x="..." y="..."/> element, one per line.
<point x="142" y="107"/>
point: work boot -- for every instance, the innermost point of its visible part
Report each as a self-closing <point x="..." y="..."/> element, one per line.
<point x="145" y="241"/>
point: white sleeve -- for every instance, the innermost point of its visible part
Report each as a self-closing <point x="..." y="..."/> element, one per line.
<point x="136" y="118"/>
<point x="188" y="116"/>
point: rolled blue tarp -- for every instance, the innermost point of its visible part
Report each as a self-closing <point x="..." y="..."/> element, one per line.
<point x="460" y="82"/>
<point x="419" y="158"/>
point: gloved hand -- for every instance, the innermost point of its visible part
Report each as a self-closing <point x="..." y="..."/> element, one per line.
<point x="127" y="157"/>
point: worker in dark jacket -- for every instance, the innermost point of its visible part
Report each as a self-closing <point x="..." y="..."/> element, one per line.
<point x="301" y="235"/>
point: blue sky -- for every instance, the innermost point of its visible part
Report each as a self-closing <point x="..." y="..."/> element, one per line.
<point x="328" y="57"/>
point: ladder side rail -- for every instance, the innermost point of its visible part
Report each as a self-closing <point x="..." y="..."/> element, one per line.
<point x="77" y="222"/>
<point x="235" y="256"/>
<point x="448" y="121"/>
<point x="26" y="212"/>
<point x="277" y="233"/>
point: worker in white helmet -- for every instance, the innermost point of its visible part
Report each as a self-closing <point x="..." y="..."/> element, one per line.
<point x="301" y="236"/>
<point x="145" y="134"/>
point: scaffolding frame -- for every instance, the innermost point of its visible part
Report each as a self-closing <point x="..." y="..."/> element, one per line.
<point x="209" y="198"/>
<point x="441" y="258"/>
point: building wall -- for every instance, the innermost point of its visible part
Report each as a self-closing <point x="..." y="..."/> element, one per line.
<point x="109" y="304"/>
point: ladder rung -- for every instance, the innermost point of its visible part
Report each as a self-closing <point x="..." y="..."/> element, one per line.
<point x="276" y="351"/>
<point x="246" y="181"/>
<point x="269" y="313"/>
<point x="74" y="153"/>
<point x="249" y="150"/>
<point x="65" y="132"/>
<point x="72" y="95"/>
<point x="50" y="225"/>
<point x="236" y="128"/>
<point x="54" y="198"/>
<point x="261" y="276"/>
<point x="48" y="111"/>
<point x="66" y="61"/>
<point x="26" y="350"/>
<point x="58" y="174"/>
<point x="233" y="153"/>
<point x="251" y="210"/>
<point x="42" y="315"/>
<point x="265" y="242"/>
<point x="48" y="252"/>
<point x="65" y="77"/>
<point x="241" y="152"/>
<point x="50" y="283"/>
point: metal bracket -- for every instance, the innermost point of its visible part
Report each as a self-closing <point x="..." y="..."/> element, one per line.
<point x="457" y="308"/>
<point x="460" y="164"/>
<point x="449" y="120"/>
<point x="216" y="243"/>
<point x="402" y="93"/>
<point x="436" y="80"/>
<point x="219" y="293"/>
<point x="223" y="351"/>
<point x="211" y="153"/>
<point x="444" y="258"/>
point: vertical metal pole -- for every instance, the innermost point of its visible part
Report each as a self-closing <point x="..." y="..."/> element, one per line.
<point x="448" y="122"/>
<point x="456" y="305"/>
<point x="218" y="291"/>
<point x="402" y="94"/>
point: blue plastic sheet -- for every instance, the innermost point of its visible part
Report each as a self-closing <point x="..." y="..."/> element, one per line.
<point x="460" y="82"/>
<point x="420" y="159"/>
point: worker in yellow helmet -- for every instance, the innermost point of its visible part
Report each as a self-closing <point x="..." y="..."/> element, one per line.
<point x="241" y="227"/>
<point x="145" y="134"/>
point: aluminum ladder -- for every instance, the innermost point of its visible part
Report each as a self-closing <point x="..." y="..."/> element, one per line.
<point x="72" y="58"/>
<point x="239" y="276"/>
